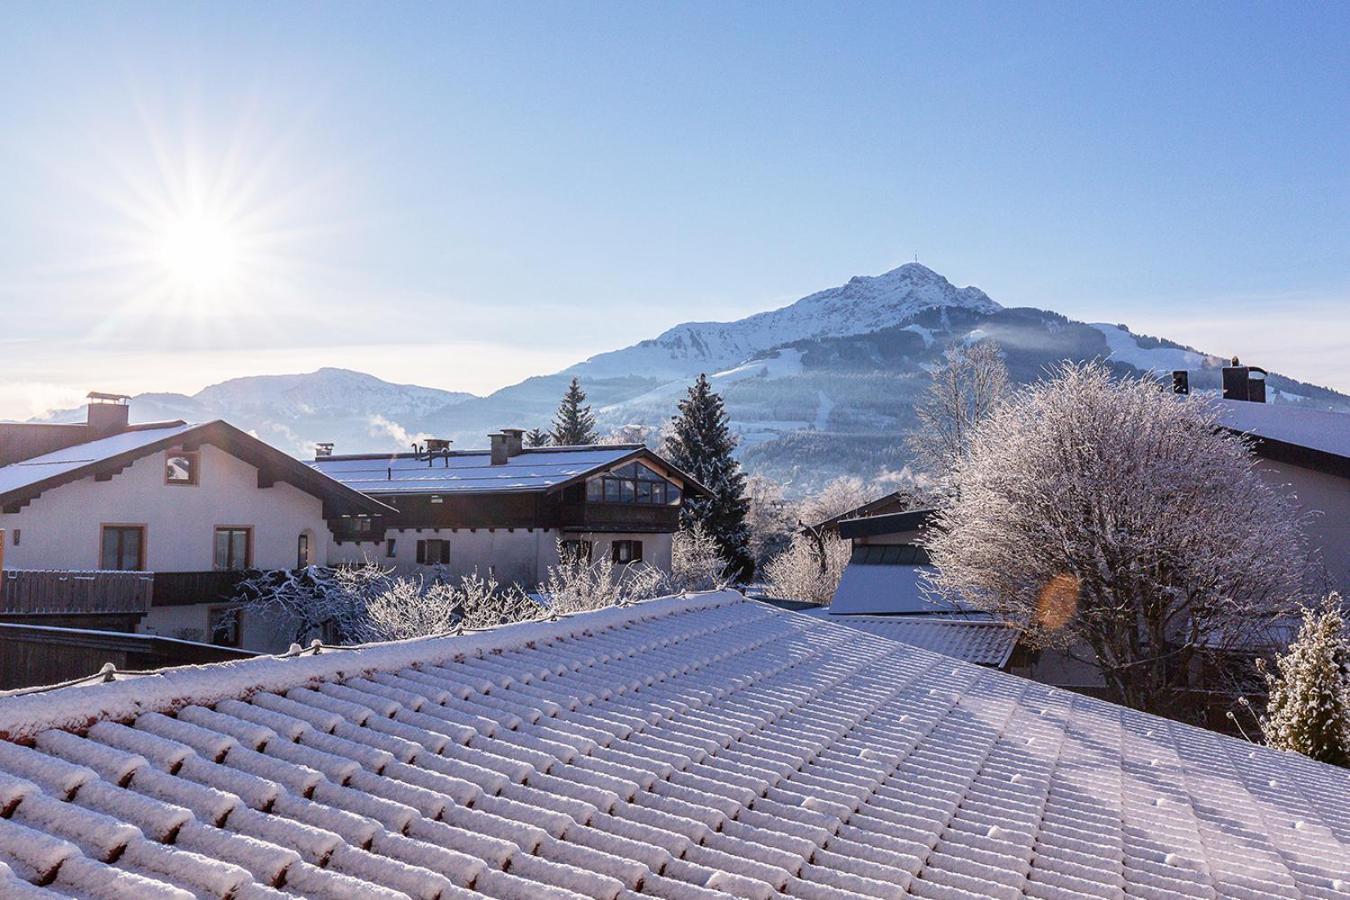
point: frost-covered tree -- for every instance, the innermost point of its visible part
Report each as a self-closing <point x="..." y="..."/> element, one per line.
<point x="578" y="583"/>
<point x="1119" y="523"/>
<point x="847" y="492"/>
<point x="410" y="607"/>
<point x="316" y="601"/>
<point x="696" y="563"/>
<point x="537" y="437"/>
<point x="1308" y="710"/>
<point x="965" y="389"/>
<point x="574" y="422"/>
<point x="771" y="518"/>
<point x="701" y="443"/>
<point x="808" y="570"/>
<point x="633" y="433"/>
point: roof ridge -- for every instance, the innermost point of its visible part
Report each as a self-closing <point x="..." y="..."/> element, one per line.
<point x="78" y="707"/>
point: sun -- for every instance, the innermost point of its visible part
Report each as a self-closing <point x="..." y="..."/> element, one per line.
<point x="199" y="253"/>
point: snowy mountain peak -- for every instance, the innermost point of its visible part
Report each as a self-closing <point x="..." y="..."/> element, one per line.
<point x="865" y="303"/>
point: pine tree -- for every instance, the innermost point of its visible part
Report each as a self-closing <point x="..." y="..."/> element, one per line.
<point x="574" y="423"/>
<point x="700" y="443"/>
<point x="537" y="437"/>
<point x="1309" y="706"/>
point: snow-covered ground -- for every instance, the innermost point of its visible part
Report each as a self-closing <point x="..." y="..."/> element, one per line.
<point x="1125" y="348"/>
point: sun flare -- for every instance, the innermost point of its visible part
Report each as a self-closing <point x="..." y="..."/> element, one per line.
<point x="200" y="253"/>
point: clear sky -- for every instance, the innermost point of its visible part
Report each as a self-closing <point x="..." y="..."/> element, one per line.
<point x="462" y="195"/>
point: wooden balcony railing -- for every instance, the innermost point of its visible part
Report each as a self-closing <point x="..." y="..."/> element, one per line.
<point x="37" y="592"/>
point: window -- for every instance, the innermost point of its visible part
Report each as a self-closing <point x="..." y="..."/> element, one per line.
<point x="123" y="548"/>
<point x="389" y="548"/>
<point x="222" y="626"/>
<point x="16" y="536"/>
<point x="180" y="467"/>
<point x="302" y="550"/>
<point x="633" y="483"/>
<point x="234" y="548"/>
<point x="579" y="551"/>
<point x="627" y="552"/>
<point x="433" y="552"/>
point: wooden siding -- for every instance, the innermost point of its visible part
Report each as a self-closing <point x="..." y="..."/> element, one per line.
<point x="186" y="588"/>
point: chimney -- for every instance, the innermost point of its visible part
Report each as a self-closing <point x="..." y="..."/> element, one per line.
<point x="499" y="454"/>
<point x="323" y="450"/>
<point x="438" y="445"/>
<point x="108" y="414"/>
<point x="1235" y="381"/>
<point x="1256" y="384"/>
<point x="1181" y="382"/>
<point x="515" y="440"/>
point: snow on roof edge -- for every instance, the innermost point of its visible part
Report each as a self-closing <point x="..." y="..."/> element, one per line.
<point x="77" y="707"/>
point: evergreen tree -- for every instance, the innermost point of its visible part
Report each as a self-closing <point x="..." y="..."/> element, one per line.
<point x="537" y="437"/>
<point x="574" y="423"/>
<point x="1309" y="706"/>
<point x="700" y="443"/>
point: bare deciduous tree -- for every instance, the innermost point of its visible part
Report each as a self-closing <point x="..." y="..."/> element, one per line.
<point x="577" y="583"/>
<point x="847" y="492"/>
<point x="1108" y="515"/>
<point x="771" y="518"/>
<point x="964" y="391"/>
<point x="411" y="608"/>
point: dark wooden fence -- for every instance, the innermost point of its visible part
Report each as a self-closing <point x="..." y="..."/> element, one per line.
<point x="37" y="592"/>
<point x="36" y="654"/>
<point x="183" y="588"/>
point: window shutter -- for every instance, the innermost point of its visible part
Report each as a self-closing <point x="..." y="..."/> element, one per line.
<point x="422" y="551"/>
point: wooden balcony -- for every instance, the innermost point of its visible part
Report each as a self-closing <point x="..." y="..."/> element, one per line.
<point x="52" y="592"/>
<point x="619" y="517"/>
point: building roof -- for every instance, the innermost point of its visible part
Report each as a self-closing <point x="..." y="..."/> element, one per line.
<point x="886" y="523"/>
<point x="983" y="641"/>
<point x="1312" y="438"/>
<point x="684" y="748"/>
<point x="896" y="501"/>
<point x="472" y="471"/>
<point x="21" y="482"/>
<point x="870" y="589"/>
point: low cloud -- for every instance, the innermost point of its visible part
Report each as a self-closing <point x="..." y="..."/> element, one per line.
<point x="382" y="427"/>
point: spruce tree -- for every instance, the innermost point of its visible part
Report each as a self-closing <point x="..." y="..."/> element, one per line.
<point x="537" y="437"/>
<point x="700" y="443"/>
<point x="574" y="423"/>
<point x="1309" y="706"/>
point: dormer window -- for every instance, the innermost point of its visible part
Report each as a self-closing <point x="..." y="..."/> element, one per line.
<point x="181" y="467"/>
<point x="633" y="483"/>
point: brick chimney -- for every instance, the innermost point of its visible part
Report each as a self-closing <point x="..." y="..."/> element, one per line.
<point x="515" y="440"/>
<point x="108" y="414"/>
<point x="1244" y="382"/>
<point x="499" y="454"/>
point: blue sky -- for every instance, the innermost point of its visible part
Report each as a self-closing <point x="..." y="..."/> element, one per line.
<point x="464" y="195"/>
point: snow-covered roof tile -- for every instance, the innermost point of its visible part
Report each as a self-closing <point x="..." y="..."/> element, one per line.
<point x="982" y="641"/>
<point x="532" y="470"/>
<point x="687" y="748"/>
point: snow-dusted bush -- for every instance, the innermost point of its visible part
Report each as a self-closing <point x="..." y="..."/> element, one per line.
<point x="809" y="569"/>
<point x="1110" y="515"/>
<point x="1308" y="710"/>
<point x="413" y="608"/>
<point x="577" y="583"/>
<point x="317" y="601"/>
<point x="696" y="563"/>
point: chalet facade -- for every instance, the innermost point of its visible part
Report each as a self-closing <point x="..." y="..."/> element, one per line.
<point x="504" y="510"/>
<point x="189" y="503"/>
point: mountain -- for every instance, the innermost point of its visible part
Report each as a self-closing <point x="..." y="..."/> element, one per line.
<point x="865" y="304"/>
<point x="819" y="388"/>
<point x="294" y="411"/>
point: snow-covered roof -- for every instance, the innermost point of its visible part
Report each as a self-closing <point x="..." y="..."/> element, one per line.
<point x="469" y="472"/>
<point x="873" y="589"/>
<point x="40" y="468"/>
<point x="984" y="641"/>
<point x="1315" y="429"/>
<point x="684" y="748"/>
<point x="24" y="480"/>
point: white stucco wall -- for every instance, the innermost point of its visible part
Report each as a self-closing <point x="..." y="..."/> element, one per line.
<point x="1328" y="497"/>
<point x="61" y="529"/>
<point x="519" y="556"/>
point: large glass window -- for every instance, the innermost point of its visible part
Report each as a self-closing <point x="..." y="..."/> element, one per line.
<point x="123" y="548"/>
<point x="633" y="483"/>
<point x="233" y="548"/>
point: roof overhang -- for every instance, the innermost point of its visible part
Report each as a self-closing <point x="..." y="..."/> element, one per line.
<point x="638" y="453"/>
<point x="1295" y="454"/>
<point x="890" y="523"/>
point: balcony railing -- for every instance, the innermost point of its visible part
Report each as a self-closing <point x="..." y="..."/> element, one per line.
<point x="39" y="592"/>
